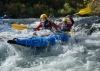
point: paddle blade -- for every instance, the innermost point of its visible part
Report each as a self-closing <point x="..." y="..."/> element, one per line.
<point x="19" y="27"/>
<point x="68" y="32"/>
<point x="84" y="11"/>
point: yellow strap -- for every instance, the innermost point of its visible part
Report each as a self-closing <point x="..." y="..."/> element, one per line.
<point x="68" y="32"/>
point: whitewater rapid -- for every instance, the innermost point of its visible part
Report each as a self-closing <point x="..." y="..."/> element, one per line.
<point x="80" y="55"/>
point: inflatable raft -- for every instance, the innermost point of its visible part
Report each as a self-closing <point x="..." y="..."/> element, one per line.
<point x="41" y="41"/>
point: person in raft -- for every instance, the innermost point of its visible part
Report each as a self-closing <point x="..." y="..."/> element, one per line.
<point x="6" y="17"/>
<point x="46" y="24"/>
<point x="66" y="26"/>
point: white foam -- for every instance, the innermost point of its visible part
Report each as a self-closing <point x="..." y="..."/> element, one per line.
<point x="70" y="56"/>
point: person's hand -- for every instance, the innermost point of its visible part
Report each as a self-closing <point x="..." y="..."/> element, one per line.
<point x="68" y="16"/>
<point x="52" y="21"/>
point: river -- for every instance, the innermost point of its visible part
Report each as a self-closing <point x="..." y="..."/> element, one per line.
<point x="80" y="55"/>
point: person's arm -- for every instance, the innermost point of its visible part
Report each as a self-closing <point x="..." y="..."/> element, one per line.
<point x="71" y="21"/>
<point x="37" y="27"/>
<point x="60" y="25"/>
<point x="55" y="26"/>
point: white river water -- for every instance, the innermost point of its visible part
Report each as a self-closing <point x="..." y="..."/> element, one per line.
<point x="83" y="55"/>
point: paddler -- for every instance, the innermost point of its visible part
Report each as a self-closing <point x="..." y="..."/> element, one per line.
<point x="66" y="26"/>
<point x="6" y="17"/>
<point x="46" y="24"/>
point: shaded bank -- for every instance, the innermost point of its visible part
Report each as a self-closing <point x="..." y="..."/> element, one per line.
<point x="53" y="8"/>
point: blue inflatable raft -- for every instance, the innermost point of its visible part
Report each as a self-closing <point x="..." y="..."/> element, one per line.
<point x="41" y="41"/>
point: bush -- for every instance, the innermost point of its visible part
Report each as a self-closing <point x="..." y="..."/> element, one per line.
<point x="39" y="9"/>
<point x="67" y="9"/>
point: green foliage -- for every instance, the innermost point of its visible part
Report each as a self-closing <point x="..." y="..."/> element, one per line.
<point x="13" y="8"/>
<point x="31" y="11"/>
<point x="95" y="7"/>
<point x="34" y="8"/>
<point x="71" y="11"/>
<point x="39" y="9"/>
<point x="22" y="8"/>
<point x="67" y="9"/>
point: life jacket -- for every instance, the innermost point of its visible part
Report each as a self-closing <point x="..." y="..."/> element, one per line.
<point x="65" y="28"/>
<point x="46" y="25"/>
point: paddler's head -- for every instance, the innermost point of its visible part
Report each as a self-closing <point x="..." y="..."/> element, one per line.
<point x="43" y="18"/>
<point x="64" y="21"/>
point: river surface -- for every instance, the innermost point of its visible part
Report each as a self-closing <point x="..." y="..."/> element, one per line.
<point x="80" y="53"/>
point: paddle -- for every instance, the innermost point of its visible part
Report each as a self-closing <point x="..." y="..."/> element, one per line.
<point x="70" y="32"/>
<point x="23" y="27"/>
<point x="84" y="11"/>
<point x="20" y="27"/>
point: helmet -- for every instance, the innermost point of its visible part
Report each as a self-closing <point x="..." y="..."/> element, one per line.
<point x="64" y="20"/>
<point x="6" y="16"/>
<point x="43" y="16"/>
